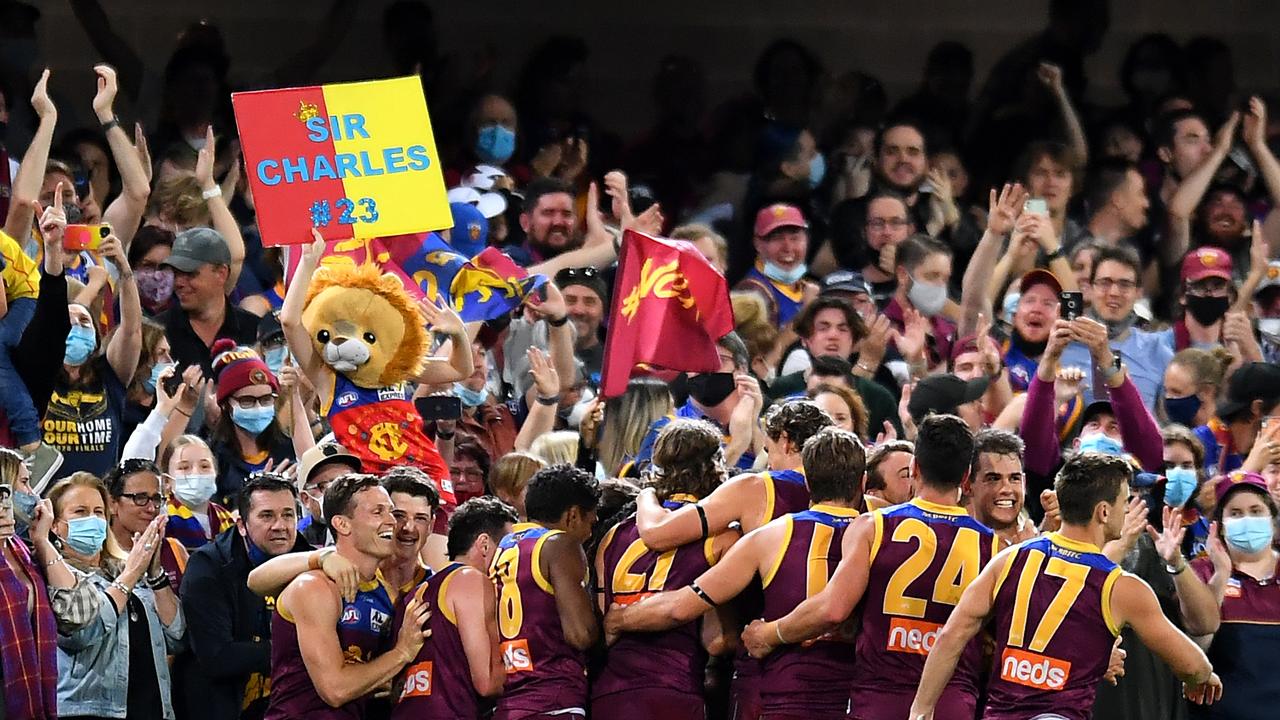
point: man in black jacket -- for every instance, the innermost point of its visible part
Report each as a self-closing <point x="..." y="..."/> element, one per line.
<point x="226" y="676"/>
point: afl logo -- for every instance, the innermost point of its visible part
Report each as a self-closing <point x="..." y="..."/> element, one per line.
<point x="350" y="615"/>
<point x="347" y="399"/>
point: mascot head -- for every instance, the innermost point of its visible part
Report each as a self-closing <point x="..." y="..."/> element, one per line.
<point x="364" y="325"/>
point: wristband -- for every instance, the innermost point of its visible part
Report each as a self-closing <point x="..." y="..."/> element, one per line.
<point x="159" y="584"/>
<point x="1178" y="569"/>
<point x="702" y="518"/>
<point x="777" y="630"/>
<point x="114" y="122"/>
<point x="211" y="193"/>
<point x="554" y="400"/>
<point x="121" y="587"/>
<point x="445" y="435"/>
<point x="702" y="594"/>
<point x="1055" y="255"/>
<point x="558" y="323"/>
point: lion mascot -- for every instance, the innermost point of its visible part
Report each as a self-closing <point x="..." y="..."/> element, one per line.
<point x="360" y="339"/>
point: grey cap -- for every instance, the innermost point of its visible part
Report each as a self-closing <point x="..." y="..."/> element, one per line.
<point x="197" y="247"/>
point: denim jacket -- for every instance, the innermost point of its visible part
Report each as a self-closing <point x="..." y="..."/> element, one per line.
<point x="93" y="662"/>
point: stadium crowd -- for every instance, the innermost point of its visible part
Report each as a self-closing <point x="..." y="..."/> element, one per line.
<point x="999" y="357"/>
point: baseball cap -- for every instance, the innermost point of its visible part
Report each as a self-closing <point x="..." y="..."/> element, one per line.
<point x="470" y="231"/>
<point x="197" y="247"/>
<point x="490" y="204"/>
<point x="1039" y="276"/>
<point x="944" y="394"/>
<point x="778" y="215"/>
<point x="1094" y="409"/>
<point x="845" y="281"/>
<point x="587" y="277"/>
<point x="1254" y="381"/>
<point x="1270" y="279"/>
<point x="324" y="454"/>
<point x="1206" y="262"/>
<point x="269" y="329"/>
<point x="1237" y="479"/>
<point x="966" y="344"/>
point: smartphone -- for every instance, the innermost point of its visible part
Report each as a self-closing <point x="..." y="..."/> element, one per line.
<point x="1035" y="205"/>
<point x="172" y="382"/>
<point x="85" y="237"/>
<point x="439" y="407"/>
<point x="1071" y="304"/>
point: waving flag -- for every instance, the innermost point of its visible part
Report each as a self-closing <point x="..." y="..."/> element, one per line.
<point x="669" y="309"/>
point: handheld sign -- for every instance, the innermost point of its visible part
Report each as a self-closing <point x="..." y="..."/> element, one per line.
<point x="355" y="160"/>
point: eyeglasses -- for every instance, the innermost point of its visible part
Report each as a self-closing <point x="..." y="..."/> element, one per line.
<point x="891" y="223"/>
<point x="144" y="499"/>
<point x="247" y="402"/>
<point x="1105" y="285"/>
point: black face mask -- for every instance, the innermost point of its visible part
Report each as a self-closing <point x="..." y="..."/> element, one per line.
<point x="1207" y="310"/>
<point x="710" y="389"/>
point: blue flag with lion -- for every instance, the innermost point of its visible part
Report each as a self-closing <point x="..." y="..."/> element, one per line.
<point x="484" y="287"/>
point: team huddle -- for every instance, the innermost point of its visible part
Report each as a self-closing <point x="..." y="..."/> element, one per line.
<point x="851" y="608"/>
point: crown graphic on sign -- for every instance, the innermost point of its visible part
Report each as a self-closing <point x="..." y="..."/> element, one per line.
<point x="306" y="111"/>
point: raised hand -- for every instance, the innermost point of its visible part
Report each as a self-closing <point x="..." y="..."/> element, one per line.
<point x="441" y="318"/>
<point x="1218" y="554"/>
<point x="941" y="186"/>
<point x="648" y="222"/>
<point x="911" y="340"/>
<point x="871" y="349"/>
<point x="553" y="307"/>
<point x="53" y="219"/>
<point x="615" y="186"/>
<point x="597" y="233"/>
<point x="589" y="428"/>
<point x="1003" y="209"/>
<point x="1050" y="76"/>
<point x="1066" y="387"/>
<point x="546" y="381"/>
<point x="41" y="521"/>
<point x="889" y="434"/>
<point x="113" y="250"/>
<point x="312" y="253"/>
<point x="1052" y="513"/>
<point x="1254" y="132"/>
<point x="104" y="100"/>
<point x="144" y="152"/>
<point x="1223" y="138"/>
<point x="165" y="402"/>
<point x="205" y="160"/>
<point x="1169" y="540"/>
<point x="40" y="100"/>
<point x="192" y="389"/>
<point x="1259" y="252"/>
<point x="343" y="572"/>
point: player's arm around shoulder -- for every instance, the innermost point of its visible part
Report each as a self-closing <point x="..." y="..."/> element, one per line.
<point x="472" y="602"/>
<point x="663" y="529"/>
<point x="565" y="566"/>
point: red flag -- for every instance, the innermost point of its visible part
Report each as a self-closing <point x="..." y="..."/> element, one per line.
<point x="669" y="308"/>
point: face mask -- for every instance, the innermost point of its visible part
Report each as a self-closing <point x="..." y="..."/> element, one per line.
<point x="254" y="420"/>
<point x="1269" y="327"/>
<point x="81" y="342"/>
<point x="471" y="398"/>
<point x="155" y="287"/>
<point x="711" y="389"/>
<point x="274" y="358"/>
<point x="257" y="555"/>
<point x="24" y="509"/>
<point x="817" y="170"/>
<point x="156" y="370"/>
<point x="1249" y="534"/>
<point x="85" y="535"/>
<point x="1207" y="310"/>
<point x="1179" y="483"/>
<point x="194" y="490"/>
<point x="1101" y="443"/>
<point x="927" y="297"/>
<point x="1182" y="410"/>
<point x="784" y="276"/>
<point x="495" y="144"/>
<point x="195" y="143"/>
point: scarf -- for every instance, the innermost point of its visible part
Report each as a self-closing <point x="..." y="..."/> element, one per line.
<point x="1182" y="337"/>
<point x="28" y="642"/>
<point x="1117" y="329"/>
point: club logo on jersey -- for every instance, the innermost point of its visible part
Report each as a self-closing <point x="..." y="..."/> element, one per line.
<point x="350" y="615"/>
<point x="1034" y="671"/>
<point x="1233" y="588"/>
<point x="912" y="636"/>
<point x="417" y="681"/>
<point x="515" y="655"/>
<point x="378" y="620"/>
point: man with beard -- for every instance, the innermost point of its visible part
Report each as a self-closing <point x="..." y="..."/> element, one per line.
<point x="1204" y="213"/>
<point x="548" y="222"/>
<point x="1038" y="307"/>
<point x="1206" y="296"/>
<point x="586" y="299"/>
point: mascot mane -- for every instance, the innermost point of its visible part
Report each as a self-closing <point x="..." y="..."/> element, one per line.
<point x="408" y="359"/>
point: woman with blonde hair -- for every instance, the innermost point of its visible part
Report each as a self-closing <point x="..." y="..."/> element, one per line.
<point x="509" y="478"/>
<point x="627" y="418"/>
<point x="194" y="519"/>
<point x="556" y="447"/>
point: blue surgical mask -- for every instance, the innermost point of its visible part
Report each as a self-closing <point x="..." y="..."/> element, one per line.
<point x="817" y="170"/>
<point x="469" y="397"/>
<point x="784" y="276"/>
<point x="1249" y="534"/>
<point x="85" y="535"/>
<point x="1182" y="410"/>
<point x="257" y="555"/>
<point x="1101" y="443"/>
<point x="253" y="420"/>
<point x="274" y="358"/>
<point x="24" y="510"/>
<point x="157" y="370"/>
<point x="495" y="144"/>
<point x="81" y="342"/>
<point x="1179" y="484"/>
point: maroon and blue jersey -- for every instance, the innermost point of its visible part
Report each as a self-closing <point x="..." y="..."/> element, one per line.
<point x="437" y="683"/>
<point x="1245" y="651"/>
<point x="544" y="672"/>
<point x="923" y="556"/>
<point x="1053" y="629"/>
<point x="672" y="659"/>
<point x="784" y="300"/>
<point x="364" y="632"/>
<point x="811" y="679"/>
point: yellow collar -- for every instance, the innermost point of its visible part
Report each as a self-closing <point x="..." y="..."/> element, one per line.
<point x="833" y="510"/>
<point x="1058" y="538"/>
<point x="936" y="508"/>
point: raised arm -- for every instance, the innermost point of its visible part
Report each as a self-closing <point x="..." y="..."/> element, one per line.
<point x="126" y="345"/>
<point x="1039" y="428"/>
<point x="663" y="529"/>
<point x="566" y="566"/>
<point x="441" y="318"/>
<point x="219" y="214"/>
<point x="295" y="298"/>
<point x="965" y="622"/>
<point x="542" y="415"/>
<point x="1254" y="134"/>
<point x="125" y="212"/>
<point x="1051" y="76"/>
<point x="478" y="629"/>
<point x="1003" y="211"/>
<point x="1191" y="191"/>
<point x="273" y="576"/>
<point x="1134" y="604"/>
<point x="26" y="186"/>
<point x="1200" y="612"/>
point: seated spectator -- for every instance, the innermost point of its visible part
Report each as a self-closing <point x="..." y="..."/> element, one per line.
<point x="843" y="405"/>
<point x="509" y="478"/>
<point x="226" y="673"/>
<point x="781" y="241"/>
<point x="246" y="438"/>
<point x="194" y="519"/>
<point x="98" y="674"/>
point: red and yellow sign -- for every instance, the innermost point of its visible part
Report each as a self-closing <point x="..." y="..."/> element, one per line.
<point x="355" y="160"/>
